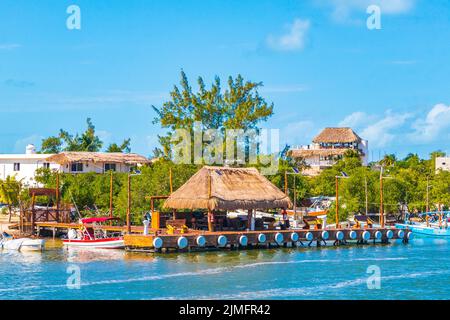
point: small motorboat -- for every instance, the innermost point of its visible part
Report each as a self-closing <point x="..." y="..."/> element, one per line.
<point x="8" y="242"/>
<point x="436" y="225"/>
<point x="91" y="234"/>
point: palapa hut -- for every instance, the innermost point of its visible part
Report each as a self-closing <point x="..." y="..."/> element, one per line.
<point x="224" y="188"/>
<point x="329" y="146"/>
<point x="80" y="162"/>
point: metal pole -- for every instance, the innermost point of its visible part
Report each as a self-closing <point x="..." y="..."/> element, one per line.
<point x="381" y="199"/>
<point x="285" y="183"/>
<point x="295" y="201"/>
<point x="111" y="195"/>
<point x="367" y="199"/>
<point x="170" y="180"/>
<point x="129" y="205"/>
<point x="337" y="202"/>
<point x="57" y="197"/>
<point x="428" y="201"/>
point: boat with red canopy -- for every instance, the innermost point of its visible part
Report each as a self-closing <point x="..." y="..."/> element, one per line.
<point x="91" y="234"/>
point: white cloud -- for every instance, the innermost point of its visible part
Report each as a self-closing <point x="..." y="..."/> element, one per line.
<point x="9" y="46"/>
<point x="19" y="146"/>
<point x="297" y="133"/>
<point x="433" y="125"/>
<point x="403" y="62"/>
<point x="357" y="119"/>
<point x="294" y="39"/>
<point x="379" y="130"/>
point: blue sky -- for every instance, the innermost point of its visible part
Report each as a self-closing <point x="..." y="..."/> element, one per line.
<point x="320" y="65"/>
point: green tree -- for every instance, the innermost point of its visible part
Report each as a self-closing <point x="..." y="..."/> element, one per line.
<point x="10" y="190"/>
<point x="239" y="106"/>
<point x="124" y="147"/>
<point x="87" y="141"/>
<point x="51" y="145"/>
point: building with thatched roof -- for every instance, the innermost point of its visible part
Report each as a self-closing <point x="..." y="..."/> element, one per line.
<point x="224" y="188"/>
<point x="329" y="146"/>
<point x="99" y="162"/>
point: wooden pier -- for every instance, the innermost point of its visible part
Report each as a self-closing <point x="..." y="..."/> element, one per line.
<point x="201" y="240"/>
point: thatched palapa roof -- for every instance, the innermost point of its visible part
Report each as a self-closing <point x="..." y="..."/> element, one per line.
<point x="223" y="188"/>
<point x="111" y="157"/>
<point x="337" y="135"/>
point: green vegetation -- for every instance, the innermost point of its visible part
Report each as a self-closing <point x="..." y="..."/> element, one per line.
<point x="87" y="141"/>
<point x="239" y="106"/>
<point x="10" y="190"/>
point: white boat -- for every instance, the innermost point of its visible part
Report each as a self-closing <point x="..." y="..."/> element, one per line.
<point x="108" y="243"/>
<point x="32" y="245"/>
<point x="22" y="244"/>
<point x="93" y="237"/>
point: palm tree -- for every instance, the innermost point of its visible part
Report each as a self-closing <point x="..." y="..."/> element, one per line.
<point x="9" y="193"/>
<point x="388" y="160"/>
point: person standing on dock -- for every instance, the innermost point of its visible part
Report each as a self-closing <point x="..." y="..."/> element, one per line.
<point x="285" y="218"/>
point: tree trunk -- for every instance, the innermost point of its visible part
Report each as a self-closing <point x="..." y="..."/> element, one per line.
<point x="10" y="214"/>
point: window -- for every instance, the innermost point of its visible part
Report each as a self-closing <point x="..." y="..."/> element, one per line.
<point x="110" y="167"/>
<point x="46" y="165"/>
<point x="16" y="166"/>
<point x="76" y="167"/>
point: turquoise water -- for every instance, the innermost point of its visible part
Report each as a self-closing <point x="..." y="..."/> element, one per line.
<point x="414" y="271"/>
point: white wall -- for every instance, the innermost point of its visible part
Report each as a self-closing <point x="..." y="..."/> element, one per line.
<point x="442" y="163"/>
<point x="27" y="168"/>
<point x="97" y="167"/>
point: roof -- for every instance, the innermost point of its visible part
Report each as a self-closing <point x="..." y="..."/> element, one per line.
<point x="337" y="135"/>
<point x="112" y="157"/>
<point x="303" y="153"/>
<point x="224" y="188"/>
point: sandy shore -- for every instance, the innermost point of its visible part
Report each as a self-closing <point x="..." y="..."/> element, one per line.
<point x="4" y="224"/>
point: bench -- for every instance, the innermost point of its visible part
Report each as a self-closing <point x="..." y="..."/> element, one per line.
<point x="176" y="226"/>
<point x="363" y="220"/>
<point x="312" y="221"/>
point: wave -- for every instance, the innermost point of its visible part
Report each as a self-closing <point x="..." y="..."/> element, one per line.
<point x="201" y="272"/>
<point x="308" y="291"/>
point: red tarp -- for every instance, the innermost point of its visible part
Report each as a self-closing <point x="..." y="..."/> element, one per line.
<point x="97" y="219"/>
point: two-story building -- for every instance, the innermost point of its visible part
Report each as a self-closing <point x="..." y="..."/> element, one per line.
<point x="24" y="166"/>
<point x="99" y="162"/>
<point x="328" y="147"/>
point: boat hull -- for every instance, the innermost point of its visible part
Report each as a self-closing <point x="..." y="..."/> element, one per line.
<point x="426" y="231"/>
<point x="111" y="243"/>
<point x="24" y="244"/>
<point x="32" y="245"/>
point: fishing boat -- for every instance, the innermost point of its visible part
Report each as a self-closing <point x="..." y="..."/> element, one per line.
<point x="432" y="227"/>
<point x="91" y="234"/>
<point x="7" y="242"/>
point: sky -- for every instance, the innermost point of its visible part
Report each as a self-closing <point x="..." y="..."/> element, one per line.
<point x="319" y="62"/>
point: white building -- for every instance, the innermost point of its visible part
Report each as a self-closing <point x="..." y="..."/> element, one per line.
<point x="99" y="162"/>
<point x="23" y="166"/>
<point x="328" y="147"/>
<point x="442" y="163"/>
